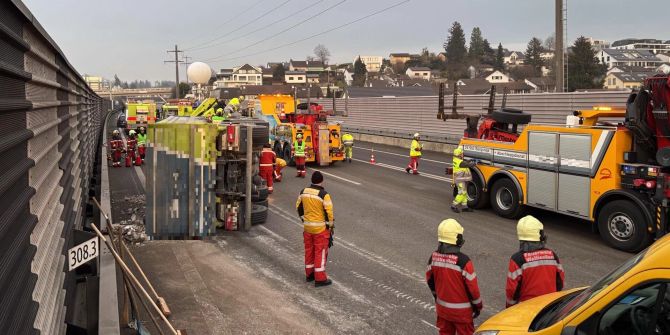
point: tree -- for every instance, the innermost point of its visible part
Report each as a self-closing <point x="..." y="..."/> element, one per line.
<point x="184" y="89"/>
<point x="499" y="63"/>
<point x="322" y="53"/>
<point x="550" y="42"/>
<point x="489" y="54"/>
<point x="476" y="51"/>
<point x="584" y="69"/>
<point x="278" y="73"/>
<point x="534" y="55"/>
<point x="310" y="58"/>
<point x="456" y="52"/>
<point x="117" y="81"/>
<point x="360" y="73"/>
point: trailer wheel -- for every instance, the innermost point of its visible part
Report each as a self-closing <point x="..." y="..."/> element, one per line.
<point x="504" y="199"/>
<point x="259" y="214"/>
<point x="622" y="225"/>
<point x="477" y="198"/>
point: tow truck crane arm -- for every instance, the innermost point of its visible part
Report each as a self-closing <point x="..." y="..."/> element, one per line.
<point x="204" y="106"/>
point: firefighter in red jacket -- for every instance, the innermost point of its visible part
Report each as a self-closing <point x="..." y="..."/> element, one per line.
<point x="268" y="160"/>
<point x="452" y="279"/>
<point x="534" y="270"/>
<point x="116" y="148"/>
<point x="131" y="151"/>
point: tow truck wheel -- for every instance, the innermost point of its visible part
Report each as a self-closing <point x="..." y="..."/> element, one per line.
<point x="477" y="198"/>
<point x="504" y="199"/>
<point x="622" y="225"/>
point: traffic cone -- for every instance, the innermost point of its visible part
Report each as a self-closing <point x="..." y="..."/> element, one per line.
<point x="372" y="158"/>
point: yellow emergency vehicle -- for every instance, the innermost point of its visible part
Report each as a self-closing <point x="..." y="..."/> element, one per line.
<point x="177" y="107"/>
<point x="634" y="299"/>
<point x="140" y="114"/>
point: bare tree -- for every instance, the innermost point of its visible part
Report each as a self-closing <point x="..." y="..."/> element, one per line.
<point x="322" y="53"/>
<point x="550" y="42"/>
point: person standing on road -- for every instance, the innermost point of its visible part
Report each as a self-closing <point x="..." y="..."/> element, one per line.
<point x="315" y="209"/>
<point x="414" y="155"/>
<point x="348" y="142"/>
<point x="142" y="142"/>
<point x="299" y="155"/>
<point x="116" y="148"/>
<point x="534" y="270"/>
<point x="452" y="280"/>
<point x="461" y="177"/>
<point x="267" y="161"/>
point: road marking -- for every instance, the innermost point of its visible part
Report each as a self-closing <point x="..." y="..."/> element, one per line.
<point x="275" y="235"/>
<point x="399" y="294"/>
<point x="422" y="174"/>
<point x="428" y="323"/>
<point x="337" y="177"/>
<point x="395" y="154"/>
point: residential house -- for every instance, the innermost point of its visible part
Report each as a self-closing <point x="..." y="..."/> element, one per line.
<point x="389" y="92"/>
<point x="513" y="57"/>
<point x="399" y="58"/>
<point x="419" y="72"/>
<point x="239" y="76"/>
<point x="626" y="80"/>
<point x="295" y="77"/>
<point x="547" y="55"/>
<point x="479" y="86"/>
<point x="372" y="63"/>
<point x="495" y="77"/>
<point x="306" y="66"/>
<point x="664" y="57"/>
<point x="94" y="82"/>
<point x="663" y="68"/>
<point x="312" y="78"/>
<point x="542" y="84"/>
<point x="617" y="57"/>
<point x="442" y="56"/>
<point x="268" y="75"/>
<point x="642" y="44"/>
<point x="598" y="45"/>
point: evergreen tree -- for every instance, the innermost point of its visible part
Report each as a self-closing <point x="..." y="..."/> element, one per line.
<point x="584" y="69"/>
<point x="499" y="63"/>
<point x="476" y="51"/>
<point x="117" y="81"/>
<point x="278" y="73"/>
<point x="534" y="55"/>
<point x="489" y="54"/>
<point x="360" y="73"/>
<point x="456" y="52"/>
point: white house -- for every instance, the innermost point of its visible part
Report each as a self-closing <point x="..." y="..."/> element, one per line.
<point x="513" y="57"/>
<point x="648" y="44"/>
<point x="618" y="57"/>
<point x="372" y="63"/>
<point x="418" y="73"/>
<point x="240" y="76"/>
<point x="295" y="77"/>
<point x="496" y="77"/>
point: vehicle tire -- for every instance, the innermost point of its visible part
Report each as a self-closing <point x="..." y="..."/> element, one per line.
<point x="477" y="198"/>
<point x="262" y="203"/>
<point x="622" y="224"/>
<point x="511" y="115"/>
<point x="261" y="195"/>
<point x="259" y="214"/>
<point x="504" y="199"/>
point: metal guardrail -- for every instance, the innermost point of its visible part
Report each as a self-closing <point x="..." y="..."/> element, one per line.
<point x="49" y="127"/>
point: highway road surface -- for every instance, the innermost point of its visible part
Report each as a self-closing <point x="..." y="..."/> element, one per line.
<point x="386" y="225"/>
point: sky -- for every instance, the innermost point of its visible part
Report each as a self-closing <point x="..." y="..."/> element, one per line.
<point x="131" y="38"/>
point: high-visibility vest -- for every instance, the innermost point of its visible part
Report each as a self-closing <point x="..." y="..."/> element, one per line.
<point x="141" y="139"/>
<point x="347" y="139"/>
<point x="413" y="152"/>
<point x="461" y="174"/>
<point x="299" y="149"/>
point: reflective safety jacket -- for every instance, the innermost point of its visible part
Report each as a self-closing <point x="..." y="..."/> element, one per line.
<point x="461" y="170"/>
<point x="141" y="139"/>
<point x="413" y="152"/>
<point x="453" y="280"/>
<point x="532" y="274"/>
<point x="299" y="149"/>
<point x="315" y="209"/>
<point x="267" y="158"/>
<point x="348" y="139"/>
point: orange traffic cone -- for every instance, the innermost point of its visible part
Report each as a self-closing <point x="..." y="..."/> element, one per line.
<point x="372" y="158"/>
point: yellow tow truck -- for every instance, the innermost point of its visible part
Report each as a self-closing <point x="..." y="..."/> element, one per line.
<point x="140" y="114"/>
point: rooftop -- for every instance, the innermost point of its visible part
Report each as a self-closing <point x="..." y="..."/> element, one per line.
<point x="419" y="68"/>
<point x="631" y="55"/>
<point x="307" y="63"/>
<point x="638" y="41"/>
<point x="634" y="76"/>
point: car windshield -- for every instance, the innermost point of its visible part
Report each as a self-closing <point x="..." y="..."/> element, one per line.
<point x="567" y="304"/>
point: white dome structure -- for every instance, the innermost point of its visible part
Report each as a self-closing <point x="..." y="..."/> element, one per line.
<point x="199" y="73"/>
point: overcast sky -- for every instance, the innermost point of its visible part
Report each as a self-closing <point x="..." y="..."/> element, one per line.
<point x="130" y="37"/>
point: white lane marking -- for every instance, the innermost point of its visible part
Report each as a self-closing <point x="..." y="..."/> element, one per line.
<point x="395" y="154"/>
<point x="399" y="294"/>
<point x="337" y="177"/>
<point x="275" y="235"/>
<point x="140" y="174"/>
<point x="421" y="174"/>
<point x="428" y="323"/>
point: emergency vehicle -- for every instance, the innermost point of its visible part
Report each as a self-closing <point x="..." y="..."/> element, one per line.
<point x="140" y="113"/>
<point x="613" y="175"/>
<point x="177" y="107"/>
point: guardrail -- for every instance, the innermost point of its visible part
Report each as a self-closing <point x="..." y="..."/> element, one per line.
<point x="49" y="127"/>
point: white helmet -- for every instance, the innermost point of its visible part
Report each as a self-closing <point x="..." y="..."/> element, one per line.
<point x="115" y="132"/>
<point x="416" y="135"/>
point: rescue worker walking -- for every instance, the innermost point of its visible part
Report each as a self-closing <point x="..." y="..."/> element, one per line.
<point x="131" y="149"/>
<point x="461" y="177"/>
<point x="315" y="209"/>
<point x="348" y="141"/>
<point x="116" y="148"/>
<point x="299" y="155"/>
<point x="142" y="142"/>
<point x="267" y="161"/>
<point x="534" y="270"/>
<point x="414" y="155"/>
<point x="452" y="280"/>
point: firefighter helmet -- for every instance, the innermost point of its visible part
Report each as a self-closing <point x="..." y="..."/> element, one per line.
<point x="458" y="151"/>
<point x="530" y="229"/>
<point x="142" y="129"/>
<point x="219" y="111"/>
<point x="451" y="232"/>
<point x="115" y="132"/>
<point x="416" y="135"/>
<point x="298" y="136"/>
<point x="131" y="133"/>
<point x="241" y="98"/>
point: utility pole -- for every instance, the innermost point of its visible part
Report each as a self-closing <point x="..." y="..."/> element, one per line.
<point x="186" y="62"/>
<point x="176" y="62"/>
<point x="558" y="46"/>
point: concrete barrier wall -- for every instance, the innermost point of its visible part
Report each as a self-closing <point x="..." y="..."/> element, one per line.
<point x="49" y="128"/>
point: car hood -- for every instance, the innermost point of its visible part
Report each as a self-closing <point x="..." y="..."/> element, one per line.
<point x="519" y="317"/>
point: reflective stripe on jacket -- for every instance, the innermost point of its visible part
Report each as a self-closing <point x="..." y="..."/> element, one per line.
<point x="453" y="280"/>
<point x="461" y="172"/>
<point x="299" y="149"/>
<point x="315" y="209"/>
<point x="141" y="138"/>
<point x="267" y="158"/>
<point x="532" y="274"/>
<point x="348" y="139"/>
<point x="413" y="152"/>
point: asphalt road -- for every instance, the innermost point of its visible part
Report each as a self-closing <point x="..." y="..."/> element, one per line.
<point x="386" y="227"/>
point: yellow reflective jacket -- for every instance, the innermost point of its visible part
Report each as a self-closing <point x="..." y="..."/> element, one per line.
<point x="413" y="152"/>
<point x="461" y="170"/>
<point x="348" y="139"/>
<point x="315" y="209"/>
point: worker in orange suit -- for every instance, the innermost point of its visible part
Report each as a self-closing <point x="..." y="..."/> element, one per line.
<point x="267" y="160"/>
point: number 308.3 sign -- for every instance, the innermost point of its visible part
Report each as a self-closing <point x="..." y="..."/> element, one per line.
<point x="83" y="253"/>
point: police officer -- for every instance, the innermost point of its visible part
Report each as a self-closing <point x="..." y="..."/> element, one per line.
<point x="461" y="177"/>
<point x="534" y="270"/>
<point x="452" y="280"/>
<point x="414" y="154"/>
<point x="348" y="141"/>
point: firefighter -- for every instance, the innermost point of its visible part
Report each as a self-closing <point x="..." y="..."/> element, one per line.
<point x="534" y="270"/>
<point x="142" y="142"/>
<point x="116" y="147"/>
<point x="414" y="154"/>
<point x="348" y="141"/>
<point x="315" y="209"/>
<point x="278" y="167"/>
<point x="461" y="177"/>
<point x="452" y="280"/>
<point x="299" y="155"/>
<point x="267" y="160"/>
<point x="131" y="144"/>
<point x="219" y="115"/>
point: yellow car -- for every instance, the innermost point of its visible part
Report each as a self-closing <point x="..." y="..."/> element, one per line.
<point x="633" y="300"/>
